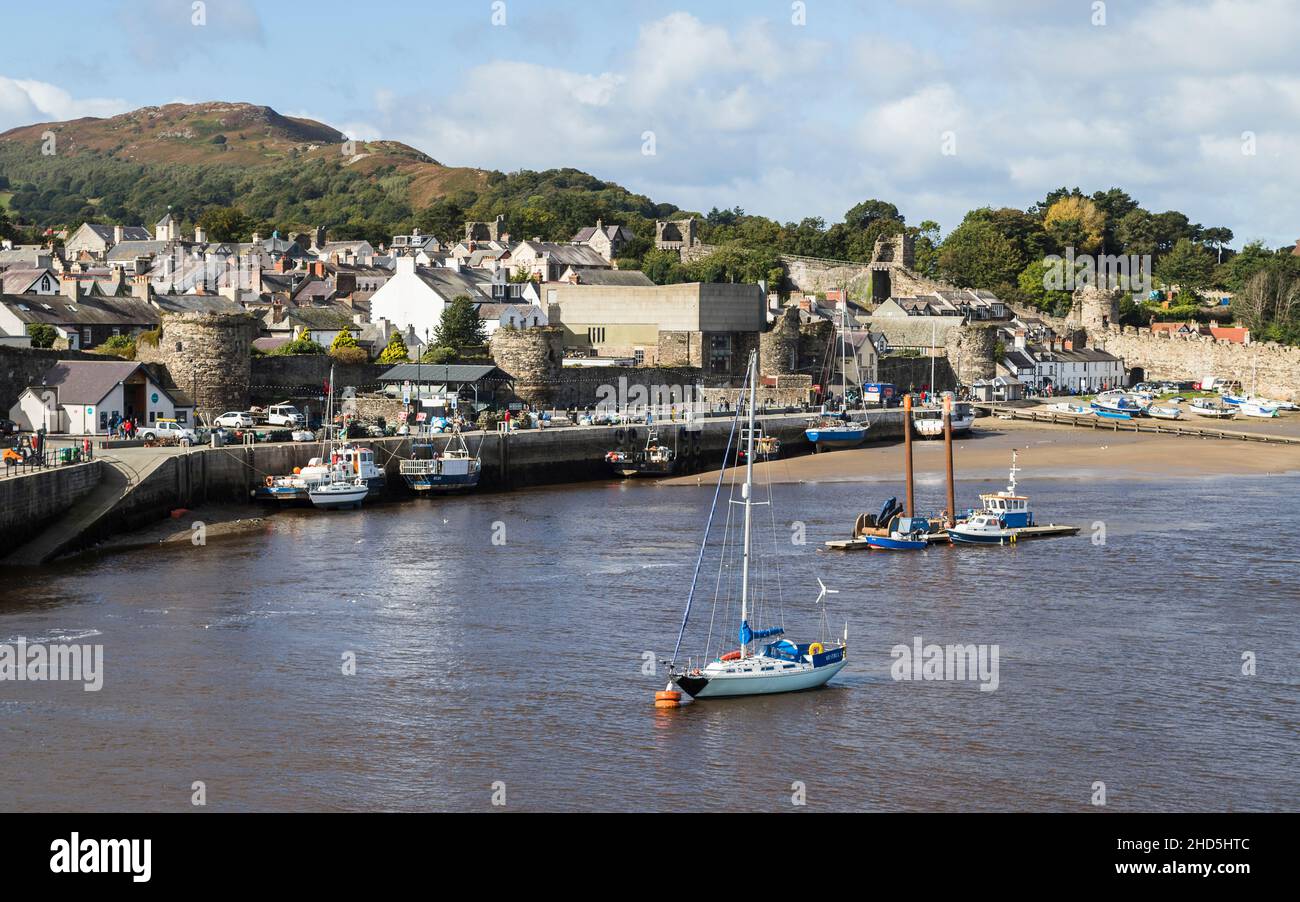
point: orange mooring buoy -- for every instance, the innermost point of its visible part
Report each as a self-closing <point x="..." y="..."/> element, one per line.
<point x="668" y="698"/>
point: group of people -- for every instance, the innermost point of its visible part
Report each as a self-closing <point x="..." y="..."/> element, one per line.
<point x="123" y="427"/>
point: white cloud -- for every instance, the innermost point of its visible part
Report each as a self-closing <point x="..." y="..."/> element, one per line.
<point x="24" y="102"/>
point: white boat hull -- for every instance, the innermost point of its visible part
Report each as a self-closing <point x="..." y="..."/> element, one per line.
<point x="730" y="685"/>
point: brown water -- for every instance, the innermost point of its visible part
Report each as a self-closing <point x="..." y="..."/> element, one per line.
<point x="522" y="662"/>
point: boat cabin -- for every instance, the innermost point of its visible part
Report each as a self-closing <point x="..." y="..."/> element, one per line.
<point x="1012" y="510"/>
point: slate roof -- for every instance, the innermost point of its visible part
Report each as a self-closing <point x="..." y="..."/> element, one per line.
<point x="623" y="277"/>
<point x="448" y="283"/>
<point x="87" y="381"/>
<point x="59" y="310"/>
<point x="613" y="232"/>
<point x="456" y="372"/>
<point x="129" y="233"/>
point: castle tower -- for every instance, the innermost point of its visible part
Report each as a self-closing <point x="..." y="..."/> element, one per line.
<point x="971" y="350"/>
<point x="1096" y="309"/>
<point x="534" y="358"/>
<point x="778" y="348"/>
<point x="207" y="356"/>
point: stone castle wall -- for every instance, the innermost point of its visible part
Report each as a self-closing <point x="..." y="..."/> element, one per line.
<point x="207" y="356"/>
<point x="1276" y="368"/>
<point x="778" y="348"/>
<point x="970" y="351"/>
<point x="534" y="357"/>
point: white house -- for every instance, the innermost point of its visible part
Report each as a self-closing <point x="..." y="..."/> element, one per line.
<point x="29" y="281"/>
<point x="514" y="316"/>
<point x="81" y="397"/>
<point x="416" y="295"/>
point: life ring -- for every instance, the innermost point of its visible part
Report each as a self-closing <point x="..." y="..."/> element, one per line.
<point x="815" y="648"/>
<point x="270" y="481"/>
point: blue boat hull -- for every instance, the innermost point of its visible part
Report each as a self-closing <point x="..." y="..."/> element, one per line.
<point x="889" y="543"/>
<point x="1111" y="414"/>
<point x="442" y="483"/>
<point x="960" y="538"/>
<point x="836" y="438"/>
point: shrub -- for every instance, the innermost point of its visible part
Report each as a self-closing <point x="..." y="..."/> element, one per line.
<point x="351" y="355"/>
<point x="439" y="356"/>
<point x="300" y="345"/>
<point x="43" y="335"/>
<point x="149" y="337"/>
<point x="119" y="346"/>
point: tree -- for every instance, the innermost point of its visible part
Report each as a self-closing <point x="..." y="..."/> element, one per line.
<point x="226" y="224"/>
<point x="975" y="255"/>
<point x="1033" y="283"/>
<point x="439" y="356"/>
<point x="459" y="327"/>
<point x="1217" y="237"/>
<point x="43" y="335"/>
<point x="395" y="351"/>
<point x="1075" y="222"/>
<point x="1188" y="265"/>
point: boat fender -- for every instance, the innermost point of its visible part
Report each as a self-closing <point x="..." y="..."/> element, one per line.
<point x="815" y="649"/>
<point x="618" y="436"/>
<point x="270" y="481"/>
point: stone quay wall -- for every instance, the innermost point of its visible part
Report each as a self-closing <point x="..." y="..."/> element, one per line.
<point x="30" y="501"/>
<point x="1274" y="368"/>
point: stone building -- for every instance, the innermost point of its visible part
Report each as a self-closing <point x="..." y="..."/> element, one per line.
<point x="709" y="325"/>
<point x="487" y="231"/>
<point x="207" y="356"/>
<point x="972" y="352"/>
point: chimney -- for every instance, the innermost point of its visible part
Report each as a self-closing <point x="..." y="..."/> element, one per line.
<point x="140" y="288"/>
<point x="405" y="265"/>
<point x="257" y="237"/>
<point x="1020" y="339"/>
<point x="119" y="234"/>
<point x="200" y="236"/>
<point x="415" y="233"/>
<point x="282" y="264"/>
<point x="69" y="287"/>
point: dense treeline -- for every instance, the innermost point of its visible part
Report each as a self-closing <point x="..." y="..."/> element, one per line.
<point x="1005" y="250"/>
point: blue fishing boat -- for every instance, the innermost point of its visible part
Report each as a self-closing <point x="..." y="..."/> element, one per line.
<point x="453" y="469"/>
<point x="836" y="433"/>
<point x="905" y="534"/>
<point x="1114" y="405"/>
<point x="1002" y="516"/>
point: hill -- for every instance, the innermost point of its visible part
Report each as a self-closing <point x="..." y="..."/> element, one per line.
<point x="282" y="170"/>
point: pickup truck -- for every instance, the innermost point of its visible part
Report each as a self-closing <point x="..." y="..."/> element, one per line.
<point x="284" y="415"/>
<point x="168" y="429"/>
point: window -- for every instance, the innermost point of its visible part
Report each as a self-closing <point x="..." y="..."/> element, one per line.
<point x="153" y="416"/>
<point x="182" y="416"/>
<point x="596" y="335"/>
<point x="86" y="338"/>
<point x="103" y="419"/>
<point x="639" y="355"/>
<point x="720" y="353"/>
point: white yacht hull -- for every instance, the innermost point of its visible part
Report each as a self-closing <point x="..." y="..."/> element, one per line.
<point x="730" y="685"/>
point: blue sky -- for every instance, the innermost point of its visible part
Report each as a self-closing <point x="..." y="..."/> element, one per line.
<point x="785" y="109"/>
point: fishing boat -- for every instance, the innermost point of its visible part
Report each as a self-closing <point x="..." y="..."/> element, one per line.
<point x="1118" y="406"/>
<point x="1003" y="515"/>
<point x="828" y="432"/>
<point x="655" y="459"/>
<point x="433" y="471"/>
<point x="340" y="462"/>
<point x="1259" y="409"/>
<point x="1165" y="413"/>
<point x="1212" y="407"/>
<point x="905" y="534"/>
<point x="928" y="420"/>
<point x="331" y="495"/>
<point x="1077" y="410"/>
<point x="756" y="667"/>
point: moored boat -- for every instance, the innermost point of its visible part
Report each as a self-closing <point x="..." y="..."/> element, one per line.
<point x="1258" y="409"/>
<point x="905" y="534"/>
<point x="433" y="471"/>
<point x="1164" y="413"/>
<point x="756" y="668"/>
<point x="1116" y="405"/>
<point x="331" y="495"/>
<point x="655" y="459"/>
<point x="1212" y="407"/>
<point x="928" y="420"/>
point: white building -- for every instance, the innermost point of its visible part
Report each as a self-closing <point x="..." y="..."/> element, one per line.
<point x="416" y="295"/>
<point x="82" y="397"/>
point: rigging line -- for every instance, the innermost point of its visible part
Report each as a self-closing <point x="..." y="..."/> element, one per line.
<point x="717" y="492"/>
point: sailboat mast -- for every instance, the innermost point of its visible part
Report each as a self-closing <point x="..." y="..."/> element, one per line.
<point x="748" y="494"/>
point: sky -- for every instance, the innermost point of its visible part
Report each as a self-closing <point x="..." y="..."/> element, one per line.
<point x="786" y="109"/>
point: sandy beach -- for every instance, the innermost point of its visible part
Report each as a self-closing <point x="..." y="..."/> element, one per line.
<point x="1046" y="452"/>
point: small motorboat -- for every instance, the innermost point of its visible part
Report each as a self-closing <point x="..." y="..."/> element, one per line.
<point x="905" y="534"/>
<point x="1115" y="405"/>
<point x="982" y="529"/>
<point x="1258" y="409"/>
<point x="332" y="495"/>
<point x="829" y="433"/>
<point x="1165" y="413"/>
<point x="1212" y="407"/>
<point x="1077" y="410"/>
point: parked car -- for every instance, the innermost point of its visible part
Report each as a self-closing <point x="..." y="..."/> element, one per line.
<point x="236" y="419"/>
<point x="165" y="429"/>
<point x="284" y="415"/>
<point x="9" y="427"/>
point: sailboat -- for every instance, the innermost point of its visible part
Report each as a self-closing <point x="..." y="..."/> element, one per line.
<point x="841" y="432"/>
<point x="757" y="667"/>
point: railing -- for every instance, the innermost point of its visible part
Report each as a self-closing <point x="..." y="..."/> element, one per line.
<point x="50" y="458"/>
